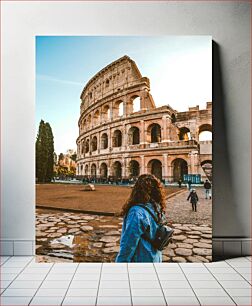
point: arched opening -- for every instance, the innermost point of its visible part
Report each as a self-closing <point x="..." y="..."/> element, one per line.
<point x="104" y="141"/>
<point x="103" y="171"/>
<point x="89" y="121"/>
<point x="117" y="138"/>
<point x="184" y="134"/>
<point x="134" y="169"/>
<point x="180" y="168"/>
<point x="134" y="135"/>
<point x="94" y="143"/>
<point x="93" y="170"/>
<point x="106" y="113"/>
<point x="155" y="167"/>
<point x="136" y="104"/>
<point x="96" y="117"/>
<point x="207" y="166"/>
<point x="117" y="170"/>
<point x="205" y="132"/>
<point x="86" y="170"/>
<point x="87" y="146"/>
<point x="205" y="136"/>
<point x="154" y="132"/>
<point x="84" y="124"/>
<point x="173" y="118"/>
<point x="118" y="109"/>
<point x="83" y="143"/>
<point x="81" y="169"/>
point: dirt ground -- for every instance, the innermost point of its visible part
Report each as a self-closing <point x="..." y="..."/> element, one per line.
<point x="105" y="198"/>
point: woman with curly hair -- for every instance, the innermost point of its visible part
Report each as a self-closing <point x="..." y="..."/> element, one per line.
<point x="139" y="227"/>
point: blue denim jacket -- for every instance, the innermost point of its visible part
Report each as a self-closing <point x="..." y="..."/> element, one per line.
<point x="133" y="248"/>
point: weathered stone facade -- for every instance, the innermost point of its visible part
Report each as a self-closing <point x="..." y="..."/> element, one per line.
<point x="116" y="140"/>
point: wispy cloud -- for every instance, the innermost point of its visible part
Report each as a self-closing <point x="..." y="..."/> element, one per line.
<point x="44" y="77"/>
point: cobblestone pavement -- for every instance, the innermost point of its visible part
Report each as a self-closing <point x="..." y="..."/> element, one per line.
<point x="179" y="210"/>
<point x="67" y="236"/>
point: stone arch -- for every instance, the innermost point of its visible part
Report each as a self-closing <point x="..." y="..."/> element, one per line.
<point x="96" y="117"/>
<point x="104" y="141"/>
<point x="117" y="138"/>
<point x="106" y="112"/>
<point x="82" y="145"/>
<point x="84" y="124"/>
<point x="86" y="170"/>
<point x="107" y="83"/>
<point x="205" y="132"/>
<point x="134" y="104"/>
<point x="179" y="168"/>
<point x="134" y="169"/>
<point x="118" y="109"/>
<point x="89" y="121"/>
<point x="87" y="146"/>
<point x="184" y="134"/>
<point x="154" y="167"/>
<point x="93" y="170"/>
<point x="154" y="132"/>
<point x="205" y="127"/>
<point x="94" y="144"/>
<point x="117" y="170"/>
<point x="103" y="170"/>
<point x="134" y="135"/>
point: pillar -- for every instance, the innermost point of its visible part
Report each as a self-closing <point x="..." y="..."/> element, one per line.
<point x="109" y="138"/>
<point x="127" y="168"/>
<point x="98" y="142"/>
<point x="164" y="129"/>
<point x="125" y="113"/>
<point x="124" y="136"/>
<point x="111" y="111"/>
<point x="165" y="166"/>
<point x="142" y="166"/>
<point x="123" y="163"/>
<point x="97" y="170"/>
<point x="142" y="132"/>
<point x="194" y="162"/>
<point x="143" y="97"/>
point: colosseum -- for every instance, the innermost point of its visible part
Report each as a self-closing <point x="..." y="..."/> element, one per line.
<point x="122" y="134"/>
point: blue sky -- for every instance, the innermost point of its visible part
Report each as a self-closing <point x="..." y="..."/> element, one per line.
<point x="179" y="69"/>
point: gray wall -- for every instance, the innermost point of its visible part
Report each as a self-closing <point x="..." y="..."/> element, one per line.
<point x="229" y="25"/>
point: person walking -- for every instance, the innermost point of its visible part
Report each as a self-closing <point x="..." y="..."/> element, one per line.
<point x="189" y="185"/>
<point x="139" y="227"/>
<point x="208" y="186"/>
<point x="179" y="183"/>
<point x="194" y="199"/>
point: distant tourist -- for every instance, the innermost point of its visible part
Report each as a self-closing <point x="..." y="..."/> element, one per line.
<point x="179" y="183"/>
<point x="189" y="185"/>
<point x="139" y="227"/>
<point x="194" y="199"/>
<point x="208" y="186"/>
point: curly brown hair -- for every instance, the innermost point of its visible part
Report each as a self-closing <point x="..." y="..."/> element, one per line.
<point x="147" y="189"/>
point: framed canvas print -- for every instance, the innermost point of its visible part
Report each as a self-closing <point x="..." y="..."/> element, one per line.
<point x="124" y="149"/>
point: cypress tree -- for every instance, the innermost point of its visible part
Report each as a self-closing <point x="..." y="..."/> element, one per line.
<point x="44" y="153"/>
<point x="50" y="153"/>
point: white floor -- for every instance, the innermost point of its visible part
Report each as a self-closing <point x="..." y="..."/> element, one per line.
<point x="24" y="282"/>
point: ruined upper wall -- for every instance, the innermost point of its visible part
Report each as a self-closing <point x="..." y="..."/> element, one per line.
<point x="115" y="77"/>
<point x="195" y="112"/>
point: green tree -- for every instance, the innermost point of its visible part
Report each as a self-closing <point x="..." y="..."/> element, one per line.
<point x="50" y="152"/>
<point x="73" y="157"/>
<point x="44" y="153"/>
